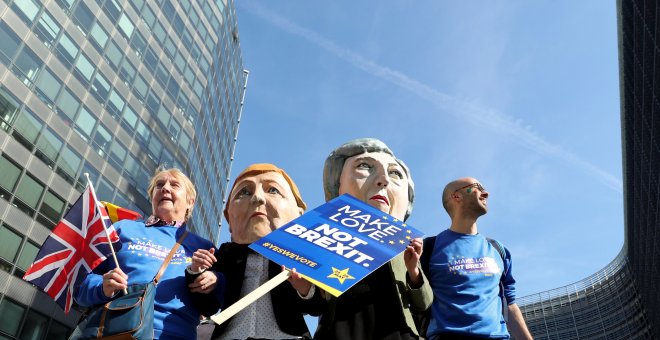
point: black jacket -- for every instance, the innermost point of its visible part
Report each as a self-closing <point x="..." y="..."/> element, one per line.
<point x="288" y="307"/>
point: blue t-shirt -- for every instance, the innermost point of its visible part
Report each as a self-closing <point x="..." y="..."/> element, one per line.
<point x="142" y="253"/>
<point x="465" y="272"/>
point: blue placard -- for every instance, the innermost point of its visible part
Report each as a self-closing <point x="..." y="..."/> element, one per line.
<point x="337" y="244"/>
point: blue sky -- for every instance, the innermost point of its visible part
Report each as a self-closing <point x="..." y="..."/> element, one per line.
<point x="522" y="95"/>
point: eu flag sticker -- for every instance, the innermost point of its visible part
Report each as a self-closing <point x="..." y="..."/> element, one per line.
<point x="338" y="243"/>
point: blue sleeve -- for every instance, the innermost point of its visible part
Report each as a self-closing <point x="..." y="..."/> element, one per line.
<point x="90" y="291"/>
<point x="508" y="280"/>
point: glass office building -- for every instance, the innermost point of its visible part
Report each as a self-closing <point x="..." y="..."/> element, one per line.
<point x="113" y="88"/>
<point x="622" y="301"/>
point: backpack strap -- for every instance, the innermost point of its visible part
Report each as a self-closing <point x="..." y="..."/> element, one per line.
<point x="427" y="250"/>
<point x="500" y="249"/>
<point x="169" y="257"/>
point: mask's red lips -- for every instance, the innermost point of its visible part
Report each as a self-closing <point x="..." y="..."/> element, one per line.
<point x="258" y="213"/>
<point x="380" y="198"/>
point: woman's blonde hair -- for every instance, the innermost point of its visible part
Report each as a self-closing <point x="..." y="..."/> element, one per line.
<point x="191" y="193"/>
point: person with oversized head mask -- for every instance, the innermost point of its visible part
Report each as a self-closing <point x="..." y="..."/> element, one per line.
<point x="262" y="199"/>
<point x="378" y="307"/>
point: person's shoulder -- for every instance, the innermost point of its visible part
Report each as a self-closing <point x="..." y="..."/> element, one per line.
<point x="199" y="239"/>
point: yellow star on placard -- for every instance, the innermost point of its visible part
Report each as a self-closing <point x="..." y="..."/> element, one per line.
<point x="401" y="241"/>
<point x="404" y="225"/>
<point x="341" y="275"/>
<point x="391" y="242"/>
<point x="395" y="220"/>
<point x="384" y="217"/>
<point x="409" y="231"/>
<point x="408" y="237"/>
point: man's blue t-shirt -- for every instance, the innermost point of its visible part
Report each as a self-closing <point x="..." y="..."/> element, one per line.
<point x="465" y="272"/>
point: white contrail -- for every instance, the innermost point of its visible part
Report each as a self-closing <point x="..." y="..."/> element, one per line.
<point x="460" y="108"/>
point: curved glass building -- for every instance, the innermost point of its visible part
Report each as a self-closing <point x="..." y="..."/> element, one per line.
<point x="622" y="301"/>
<point x="113" y="88"/>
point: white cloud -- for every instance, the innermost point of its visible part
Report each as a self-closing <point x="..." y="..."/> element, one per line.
<point x="461" y="108"/>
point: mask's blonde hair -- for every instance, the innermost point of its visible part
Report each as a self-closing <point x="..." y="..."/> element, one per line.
<point x="191" y="193"/>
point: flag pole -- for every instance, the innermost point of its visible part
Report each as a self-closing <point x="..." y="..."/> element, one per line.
<point x="96" y="205"/>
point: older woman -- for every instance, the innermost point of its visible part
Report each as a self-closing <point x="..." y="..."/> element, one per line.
<point x="378" y="307"/>
<point x="145" y="244"/>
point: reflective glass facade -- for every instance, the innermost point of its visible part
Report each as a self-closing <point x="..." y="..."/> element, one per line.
<point x="622" y="301"/>
<point x="112" y="88"/>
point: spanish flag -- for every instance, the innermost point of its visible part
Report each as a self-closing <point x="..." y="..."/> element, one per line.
<point x="117" y="213"/>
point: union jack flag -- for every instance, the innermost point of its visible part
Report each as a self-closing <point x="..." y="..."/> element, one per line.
<point x="76" y="246"/>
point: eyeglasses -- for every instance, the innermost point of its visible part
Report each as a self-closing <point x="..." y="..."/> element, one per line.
<point x="476" y="185"/>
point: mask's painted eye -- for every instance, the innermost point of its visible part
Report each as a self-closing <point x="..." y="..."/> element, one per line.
<point x="364" y="165"/>
<point x="273" y="190"/>
<point x="395" y="173"/>
<point x="244" y="192"/>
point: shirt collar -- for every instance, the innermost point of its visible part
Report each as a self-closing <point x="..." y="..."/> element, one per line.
<point x="154" y="221"/>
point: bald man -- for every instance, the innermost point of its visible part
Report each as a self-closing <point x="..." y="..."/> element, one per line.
<point x="471" y="274"/>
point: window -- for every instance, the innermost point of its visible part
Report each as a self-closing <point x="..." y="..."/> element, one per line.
<point x="12" y="314"/>
<point x="38" y="324"/>
<point x="139" y="44"/>
<point x="173" y="88"/>
<point x="104" y="190"/>
<point x="67" y="105"/>
<point x="174" y="129"/>
<point x="184" y="142"/>
<point x="113" y="55"/>
<point x="153" y="103"/>
<point x="150" y="59"/>
<point x="126" y="26"/>
<point x="102" y="139"/>
<point x="84" y="68"/>
<point x="117" y="155"/>
<point x="100" y="88"/>
<point x="93" y="175"/>
<point x="48" y="146"/>
<point x="26" y="10"/>
<point x="47" y="29"/>
<point x="9" y="43"/>
<point x="57" y="331"/>
<point x="26" y="128"/>
<point x="68" y="164"/>
<point x="8" y="109"/>
<point x="10" y="173"/>
<point x="66" y="50"/>
<point x="26" y="66"/>
<point x="115" y="104"/>
<point x="155" y="146"/>
<point x="143" y="132"/>
<point x="162" y="75"/>
<point x="28" y="254"/>
<point x="28" y="192"/>
<point x="99" y="37"/>
<point x="141" y="88"/>
<point x="127" y="72"/>
<point x="83" y="18"/>
<point x="180" y="62"/>
<point x="51" y="208"/>
<point x="65" y="4"/>
<point x="130" y="118"/>
<point x="112" y="9"/>
<point x="48" y="86"/>
<point x="85" y="123"/>
<point x="170" y="48"/>
<point x="159" y="32"/>
<point x="132" y="167"/>
<point x="148" y="16"/>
